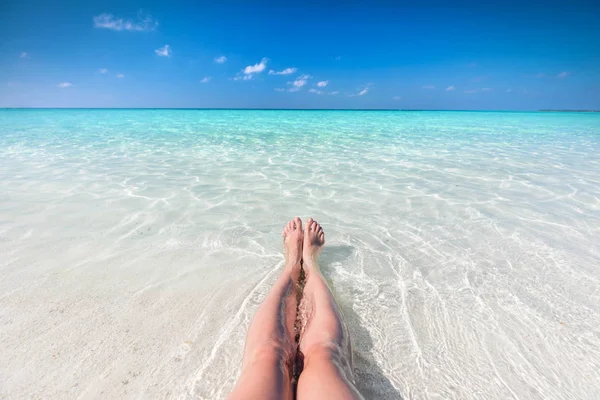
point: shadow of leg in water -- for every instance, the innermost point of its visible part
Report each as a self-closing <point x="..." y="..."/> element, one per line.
<point x="370" y="379"/>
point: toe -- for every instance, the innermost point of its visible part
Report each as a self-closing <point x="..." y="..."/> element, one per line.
<point x="298" y="223"/>
<point x="286" y="228"/>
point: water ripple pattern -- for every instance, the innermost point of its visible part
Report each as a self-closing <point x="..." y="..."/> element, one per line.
<point x="136" y="245"/>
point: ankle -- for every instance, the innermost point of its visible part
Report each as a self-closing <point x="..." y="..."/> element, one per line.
<point x="310" y="263"/>
<point x="291" y="265"/>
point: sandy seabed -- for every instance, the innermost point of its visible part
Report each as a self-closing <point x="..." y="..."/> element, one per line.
<point x="135" y="247"/>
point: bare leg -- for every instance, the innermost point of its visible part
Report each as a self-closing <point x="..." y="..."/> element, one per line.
<point x="325" y="341"/>
<point x="270" y="346"/>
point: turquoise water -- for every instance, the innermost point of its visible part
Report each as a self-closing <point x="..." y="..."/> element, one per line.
<point x="135" y="245"/>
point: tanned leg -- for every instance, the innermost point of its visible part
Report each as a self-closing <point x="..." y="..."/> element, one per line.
<point x="270" y="346"/>
<point x="325" y="341"/>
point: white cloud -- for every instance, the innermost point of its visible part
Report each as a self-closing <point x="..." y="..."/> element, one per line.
<point x="471" y="91"/>
<point x="486" y="89"/>
<point x="428" y="87"/>
<point x="220" y="60"/>
<point x="320" y="92"/>
<point x="256" y="68"/>
<point x="450" y="88"/>
<point x="362" y="92"/>
<point x="65" y="84"/>
<point x="508" y="90"/>
<point x="248" y="72"/>
<point x="338" y="58"/>
<point x="24" y="55"/>
<point x="103" y="71"/>
<point x="206" y="79"/>
<point x="242" y="77"/>
<point x="280" y="89"/>
<point x="396" y="98"/>
<point x="299" y="82"/>
<point x="164" y="51"/>
<point x="563" y="75"/>
<point x="286" y="71"/>
<point x="322" y="83"/>
<point x="109" y="21"/>
<point x="120" y="76"/>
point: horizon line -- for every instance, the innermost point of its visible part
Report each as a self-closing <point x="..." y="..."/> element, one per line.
<point x="294" y="109"/>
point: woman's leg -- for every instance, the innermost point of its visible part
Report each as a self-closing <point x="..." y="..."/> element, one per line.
<point x="270" y="346"/>
<point x="325" y="341"/>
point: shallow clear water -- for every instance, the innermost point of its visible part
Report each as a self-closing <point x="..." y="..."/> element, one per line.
<point x="135" y="246"/>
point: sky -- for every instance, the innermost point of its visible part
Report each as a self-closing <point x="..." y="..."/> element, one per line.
<point x="509" y="55"/>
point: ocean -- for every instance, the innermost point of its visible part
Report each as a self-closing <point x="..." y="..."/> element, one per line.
<point x="463" y="247"/>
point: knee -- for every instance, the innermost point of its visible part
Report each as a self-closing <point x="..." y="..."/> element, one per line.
<point x="324" y="352"/>
<point x="329" y="356"/>
<point x="268" y="353"/>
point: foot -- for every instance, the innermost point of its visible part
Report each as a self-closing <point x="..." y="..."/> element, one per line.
<point x="292" y="241"/>
<point x="314" y="239"/>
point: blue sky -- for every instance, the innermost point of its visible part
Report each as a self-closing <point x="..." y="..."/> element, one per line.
<point x="424" y="55"/>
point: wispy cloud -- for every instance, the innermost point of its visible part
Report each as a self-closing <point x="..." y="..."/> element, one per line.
<point x="24" y="55"/>
<point x="322" y="83"/>
<point x="242" y="77"/>
<point x="143" y="23"/>
<point x="479" y="78"/>
<point x="563" y="75"/>
<point x="286" y="71"/>
<point x="540" y="75"/>
<point x="206" y="79"/>
<point x="450" y="88"/>
<point x="299" y="82"/>
<point x="64" y="84"/>
<point x="103" y="71"/>
<point x="220" y="59"/>
<point x="120" y="76"/>
<point x="396" y="98"/>
<point x="164" y="51"/>
<point x="256" y="68"/>
<point x="477" y="90"/>
<point x="280" y="89"/>
<point x="322" y="92"/>
<point x="429" y="87"/>
<point x="362" y="91"/>
<point x="508" y="90"/>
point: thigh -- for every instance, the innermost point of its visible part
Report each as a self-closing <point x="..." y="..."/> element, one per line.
<point x="323" y="377"/>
